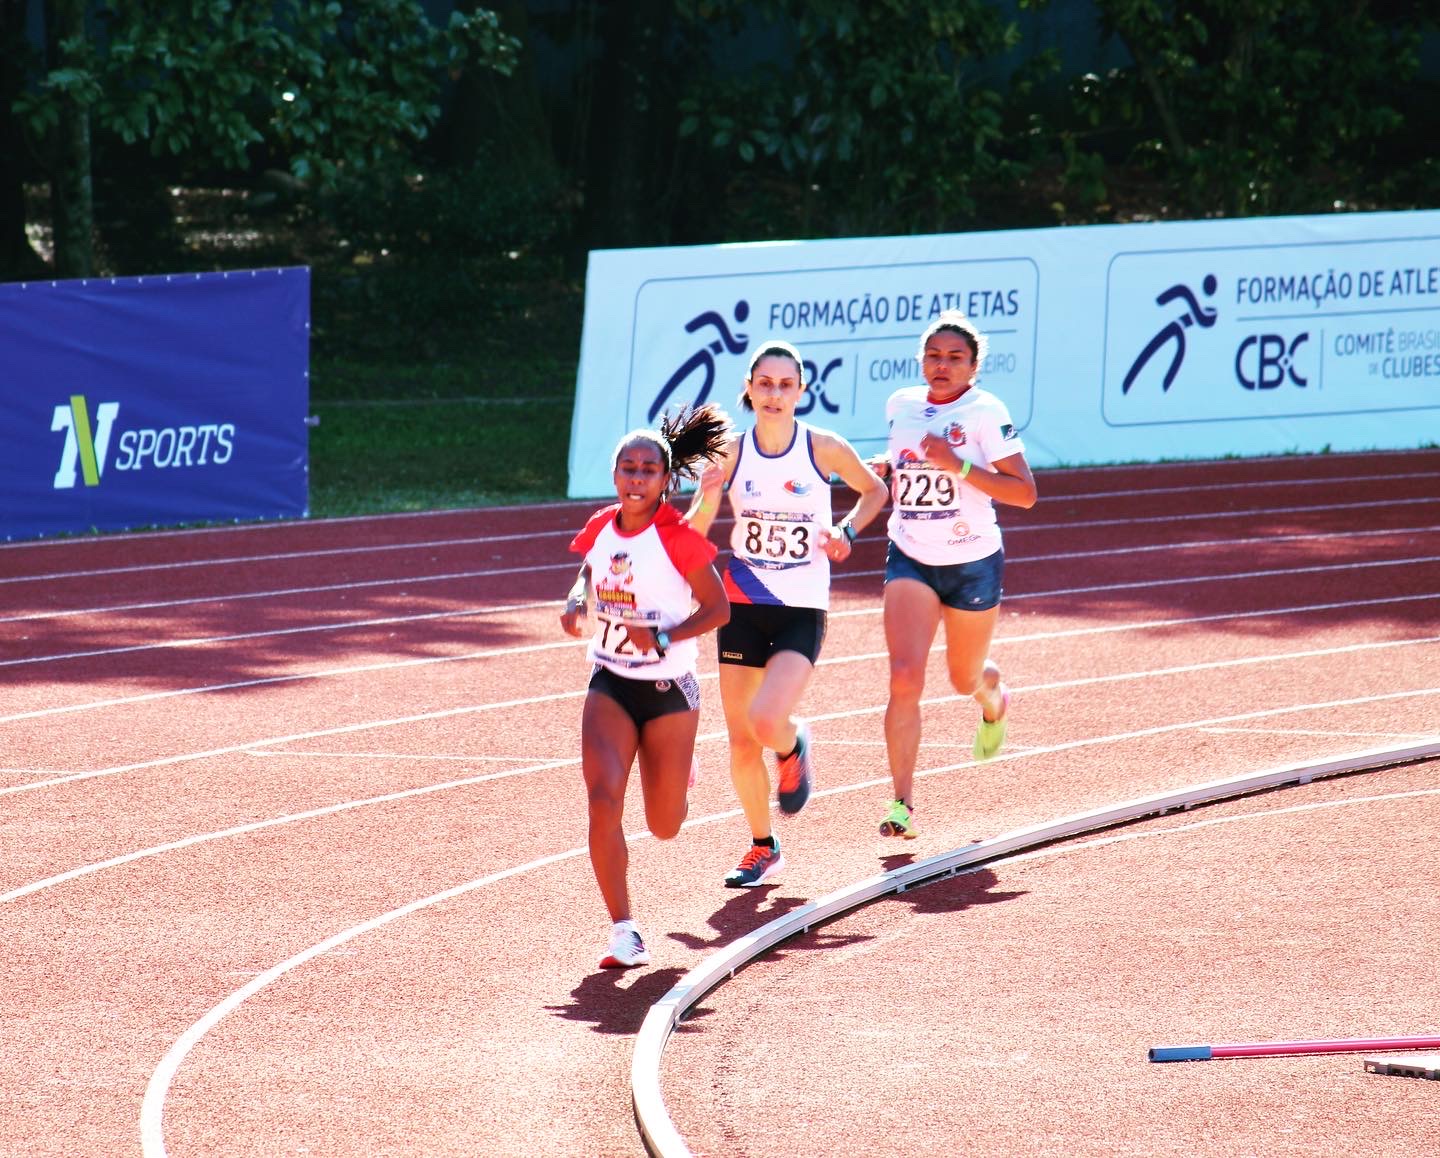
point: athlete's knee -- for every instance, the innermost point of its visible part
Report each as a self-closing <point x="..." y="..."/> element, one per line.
<point x="907" y="680"/>
<point x="664" y="827"/>
<point x="771" y="726"/>
<point x="966" y="682"/>
<point x="605" y="800"/>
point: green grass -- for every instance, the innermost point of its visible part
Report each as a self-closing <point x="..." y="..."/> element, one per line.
<point x="452" y="390"/>
<point x="418" y="455"/>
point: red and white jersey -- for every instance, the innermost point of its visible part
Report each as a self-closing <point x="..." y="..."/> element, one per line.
<point x="935" y="516"/>
<point x="639" y="577"/>
<point x="781" y="505"/>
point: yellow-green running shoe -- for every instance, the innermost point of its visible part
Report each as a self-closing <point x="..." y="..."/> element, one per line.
<point x="990" y="735"/>
<point x="899" y="821"/>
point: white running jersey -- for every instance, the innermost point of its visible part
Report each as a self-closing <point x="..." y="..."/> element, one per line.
<point x="640" y="578"/>
<point x="935" y="516"/>
<point x="781" y="504"/>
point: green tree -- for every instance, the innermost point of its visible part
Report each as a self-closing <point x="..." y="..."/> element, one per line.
<point x="1265" y="106"/>
<point x="319" y="87"/>
<point x="875" y="115"/>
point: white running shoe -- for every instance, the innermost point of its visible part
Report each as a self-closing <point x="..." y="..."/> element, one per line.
<point x="627" y="948"/>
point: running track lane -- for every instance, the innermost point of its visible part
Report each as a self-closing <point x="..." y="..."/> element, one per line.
<point x="339" y="901"/>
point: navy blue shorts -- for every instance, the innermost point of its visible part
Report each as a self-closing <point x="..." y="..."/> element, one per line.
<point x="972" y="586"/>
<point x="757" y="631"/>
<point x="646" y="700"/>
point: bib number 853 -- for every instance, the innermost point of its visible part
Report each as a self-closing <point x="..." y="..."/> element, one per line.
<point x="777" y="540"/>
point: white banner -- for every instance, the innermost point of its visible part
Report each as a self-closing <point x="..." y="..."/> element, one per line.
<point x="1108" y="343"/>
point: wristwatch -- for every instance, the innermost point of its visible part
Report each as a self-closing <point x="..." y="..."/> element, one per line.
<point x="662" y="642"/>
<point x="847" y="528"/>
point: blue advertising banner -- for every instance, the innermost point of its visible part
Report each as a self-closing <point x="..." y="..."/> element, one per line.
<point x="152" y="401"/>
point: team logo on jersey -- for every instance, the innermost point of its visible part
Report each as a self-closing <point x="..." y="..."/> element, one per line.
<point x="928" y="413"/>
<point x="620" y="567"/>
<point x="907" y="456"/>
<point x="616" y="600"/>
<point x="751" y="487"/>
<point x="1007" y="431"/>
<point x="955" y="434"/>
<point x="796" y="487"/>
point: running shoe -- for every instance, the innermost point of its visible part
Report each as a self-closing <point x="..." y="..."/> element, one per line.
<point x="797" y="773"/>
<point x="990" y="735"/>
<point x="899" y="821"/>
<point x="626" y="948"/>
<point x="755" y="867"/>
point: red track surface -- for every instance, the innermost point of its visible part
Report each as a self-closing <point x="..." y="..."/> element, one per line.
<point x="292" y="842"/>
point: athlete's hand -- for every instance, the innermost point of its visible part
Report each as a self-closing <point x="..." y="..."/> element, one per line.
<point x="572" y="619"/>
<point x="835" y="545"/>
<point x="940" y="454"/>
<point x="712" y="481"/>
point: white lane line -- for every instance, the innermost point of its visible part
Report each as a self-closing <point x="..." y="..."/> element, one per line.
<point x="1246" y="542"/>
<point x="1239" y="513"/>
<point x="162" y="604"/>
<point x="286" y="556"/>
<point x="152" y="1133"/>
<point x="1180" y="580"/>
<point x="327" y="673"/>
<point x="1206" y="543"/>
<point x="309" y="526"/>
<point x="834" y="790"/>
<point x="1180" y="829"/>
<point x="366" y="549"/>
<point x="296" y="754"/>
<point x="152" y="1107"/>
<point x="355" y="624"/>
<point x="1183" y="669"/>
<point x="575" y="694"/>
<point x="387" y="665"/>
<point x="340" y="730"/>
<point x="1389" y="734"/>
<point x="260" y="825"/>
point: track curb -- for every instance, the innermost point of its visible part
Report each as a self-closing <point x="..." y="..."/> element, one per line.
<point x="658" y="1132"/>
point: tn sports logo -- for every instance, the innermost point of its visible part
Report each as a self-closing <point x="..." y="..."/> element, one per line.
<point x="87" y="446"/>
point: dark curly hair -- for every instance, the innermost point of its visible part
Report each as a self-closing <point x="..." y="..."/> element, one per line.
<point x="686" y="438"/>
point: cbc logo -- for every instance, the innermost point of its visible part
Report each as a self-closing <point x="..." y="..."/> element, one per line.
<point x="1265" y="361"/>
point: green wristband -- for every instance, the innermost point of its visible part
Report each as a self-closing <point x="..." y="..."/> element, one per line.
<point x="964" y="470"/>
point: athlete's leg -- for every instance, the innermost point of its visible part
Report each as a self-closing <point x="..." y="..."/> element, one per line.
<point x="738" y="686"/>
<point x="608" y="742"/>
<point x="967" y="650"/>
<point x="772" y="719"/>
<point x="666" y="745"/>
<point x="912" y="614"/>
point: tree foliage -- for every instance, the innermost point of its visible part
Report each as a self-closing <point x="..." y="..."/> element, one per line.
<point x="314" y="86"/>
<point x="1264" y="106"/>
<point x="324" y="86"/>
<point x="882" y="112"/>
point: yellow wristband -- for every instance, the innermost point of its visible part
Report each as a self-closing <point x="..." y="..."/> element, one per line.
<point x="964" y="470"/>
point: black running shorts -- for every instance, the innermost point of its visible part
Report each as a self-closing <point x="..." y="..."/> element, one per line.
<point x="757" y="631"/>
<point x="645" y="700"/>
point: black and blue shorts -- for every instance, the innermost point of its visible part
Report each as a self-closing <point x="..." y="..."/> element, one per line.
<point x="973" y="586"/>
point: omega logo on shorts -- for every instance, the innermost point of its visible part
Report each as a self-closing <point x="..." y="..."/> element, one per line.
<point x="662" y="686"/>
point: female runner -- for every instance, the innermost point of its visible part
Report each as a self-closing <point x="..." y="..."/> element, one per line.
<point x="778" y="582"/>
<point x="655" y="589"/>
<point x="953" y="453"/>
